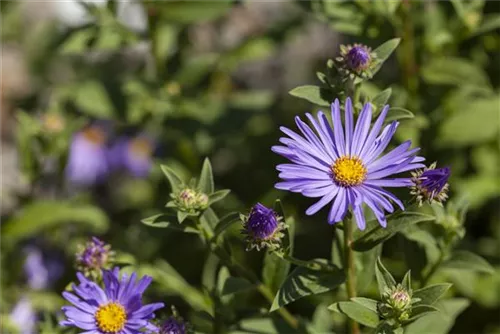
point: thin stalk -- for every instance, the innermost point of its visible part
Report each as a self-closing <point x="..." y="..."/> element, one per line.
<point x="350" y="270"/>
<point x="433" y="269"/>
<point x="245" y="273"/>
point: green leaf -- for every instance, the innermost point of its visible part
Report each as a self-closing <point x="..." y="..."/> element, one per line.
<point x="218" y="196"/>
<point x="465" y="260"/>
<point x="490" y="22"/>
<point x="206" y="181"/>
<point x="93" y="99"/>
<point x="378" y="234"/>
<point x="181" y="216"/>
<point x="40" y="215"/>
<point x="439" y="322"/>
<point x="419" y="311"/>
<point x="370" y="304"/>
<point x="290" y="222"/>
<point x="396" y="113"/>
<point x="274" y="271"/>
<point x="186" y="12"/>
<point x="365" y="267"/>
<point x="304" y="282"/>
<point x="236" y="284"/>
<point x="384" y="51"/>
<point x="475" y="123"/>
<point x="406" y="283"/>
<point x="385" y="280"/>
<point x="430" y="294"/>
<point x="357" y="312"/>
<point x="163" y="221"/>
<point x="174" y="180"/>
<point x="314" y="94"/>
<point x="454" y="71"/>
<point x="381" y="98"/>
<point x="226" y="222"/>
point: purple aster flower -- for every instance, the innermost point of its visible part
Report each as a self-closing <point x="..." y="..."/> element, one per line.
<point x="173" y="325"/>
<point x="41" y="270"/>
<point x="95" y="255"/>
<point x="263" y="227"/>
<point x="358" y="58"/>
<point x="346" y="168"/>
<point x="431" y="184"/>
<point x="133" y="155"/>
<point x="87" y="164"/>
<point x="23" y="316"/>
<point x="117" y="308"/>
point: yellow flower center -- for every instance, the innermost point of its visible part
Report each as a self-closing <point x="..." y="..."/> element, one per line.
<point x="94" y="135"/>
<point x="111" y="317"/>
<point x="141" y="147"/>
<point x="53" y="122"/>
<point x="348" y="171"/>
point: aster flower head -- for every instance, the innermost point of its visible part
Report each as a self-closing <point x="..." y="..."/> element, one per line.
<point x="173" y="325"/>
<point x="87" y="162"/>
<point x="431" y="184"/>
<point x="93" y="257"/>
<point x="263" y="228"/>
<point x="356" y="60"/>
<point x="116" y="309"/>
<point x="133" y="155"/>
<point x="344" y="164"/>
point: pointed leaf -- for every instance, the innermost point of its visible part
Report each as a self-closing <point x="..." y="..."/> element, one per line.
<point x="206" y="181"/>
<point x="396" y="113"/>
<point x="274" y="271"/>
<point x="421" y="310"/>
<point x="365" y="267"/>
<point x="181" y="216"/>
<point x="395" y="223"/>
<point x="235" y="285"/>
<point x="174" y="180"/>
<point x="163" y="221"/>
<point x="218" y="196"/>
<point x="407" y="280"/>
<point x="381" y="98"/>
<point x="454" y="71"/>
<point x="430" y="294"/>
<point x="304" y="282"/>
<point x="357" y="312"/>
<point x="226" y="222"/>
<point x="384" y="51"/>
<point x="366" y="302"/>
<point x="384" y="278"/>
<point x="314" y="94"/>
<point x="465" y="260"/>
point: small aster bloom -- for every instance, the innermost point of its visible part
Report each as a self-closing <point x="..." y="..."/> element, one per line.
<point x="24" y="316"/>
<point x="173" y="325"/>
<point x="431" y="184"/>
<point x="116" y="309"/>
<point x="133" y="155"/>
<point x="263" y="228"/>
<point x="94" y="256"/>
<point x="87" y="162"/>
<point x="346" y="167"/>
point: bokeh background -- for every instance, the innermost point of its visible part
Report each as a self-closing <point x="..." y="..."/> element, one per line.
<point x="179" y="81"/>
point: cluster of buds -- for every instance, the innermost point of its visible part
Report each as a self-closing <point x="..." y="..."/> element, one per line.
<point x="94" y="256"/>
<point x="430" y="184"/>
<point x="190" y="200"/>
<point x="263" y="228"/>
<point x="396" y="304"/>
<point x="356" y="61"/>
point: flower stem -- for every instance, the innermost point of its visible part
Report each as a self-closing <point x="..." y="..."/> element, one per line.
<point x="433" y="269"/>
<point x="350" y="270"/>
<point x="245" y="273"/>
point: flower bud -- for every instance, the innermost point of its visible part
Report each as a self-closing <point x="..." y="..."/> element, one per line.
<point x="94" y="256"/>
<point x="355" y="61"/>
<point x="396" y="304"/>
<point x="263" y="228"/>
<point x="431" y="184"/>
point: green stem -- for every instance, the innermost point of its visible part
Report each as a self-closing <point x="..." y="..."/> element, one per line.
<point x="314" y="265"/>
<point x="245" y="273"/>
<point x="350" y="270"/>
<point x="433" y="269"/>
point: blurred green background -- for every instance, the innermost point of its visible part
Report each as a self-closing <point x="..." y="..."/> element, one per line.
<point x="211" y="79"/>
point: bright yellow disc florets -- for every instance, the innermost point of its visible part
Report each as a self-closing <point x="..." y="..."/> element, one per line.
<point x="111" y="317"/>
<point x="348" y="172"/>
